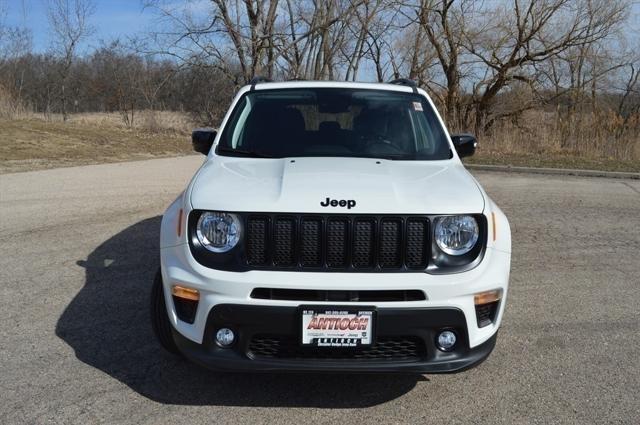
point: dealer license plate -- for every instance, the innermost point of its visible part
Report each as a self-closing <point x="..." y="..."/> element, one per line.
<point x="337" y="327"/>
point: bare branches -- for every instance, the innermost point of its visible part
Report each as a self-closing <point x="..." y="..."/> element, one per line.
<point x="68" y="21"/>
<point x="536" y="31"/>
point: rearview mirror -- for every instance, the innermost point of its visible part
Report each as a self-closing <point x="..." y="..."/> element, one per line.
<point x="202" y="139"/>
<point x="465" y="144"/>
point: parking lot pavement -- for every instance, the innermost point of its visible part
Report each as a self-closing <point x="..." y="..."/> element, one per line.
<point x="78" y="250"/>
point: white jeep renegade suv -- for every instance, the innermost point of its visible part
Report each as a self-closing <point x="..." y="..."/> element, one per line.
<point x="332" y="227"/>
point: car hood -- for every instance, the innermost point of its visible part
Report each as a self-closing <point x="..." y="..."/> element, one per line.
<point x="304" y="184"/>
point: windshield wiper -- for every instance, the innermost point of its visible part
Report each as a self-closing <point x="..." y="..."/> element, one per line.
<point x="240" y="152"/>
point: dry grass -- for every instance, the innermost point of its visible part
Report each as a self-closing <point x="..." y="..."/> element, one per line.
<point x="163" y="121"/>
<point x="29" y="142"/>
<point x="551" y="161"/>
<point x="10" y="108"/>
<point x="544" y="139"/>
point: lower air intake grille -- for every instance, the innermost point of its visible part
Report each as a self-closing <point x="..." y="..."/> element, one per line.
<point x="337" y="242"/>
<point x="392" y="349"/>
<point x="185" y="309"/>
<point x="486" y="313"/>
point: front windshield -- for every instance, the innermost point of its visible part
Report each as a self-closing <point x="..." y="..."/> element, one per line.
<point x="335" y="123"/>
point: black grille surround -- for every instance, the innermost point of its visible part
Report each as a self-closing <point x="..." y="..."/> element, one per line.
<point x="362" y="243"/>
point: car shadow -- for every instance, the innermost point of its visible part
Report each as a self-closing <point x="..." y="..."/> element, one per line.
<point x="108" y="326"/>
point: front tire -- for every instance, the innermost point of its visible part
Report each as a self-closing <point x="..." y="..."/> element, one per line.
<point x="159" y="319"/>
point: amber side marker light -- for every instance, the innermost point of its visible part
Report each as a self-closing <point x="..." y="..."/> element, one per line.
<point x="487" y="297"/>
<point x="185" y="293"/>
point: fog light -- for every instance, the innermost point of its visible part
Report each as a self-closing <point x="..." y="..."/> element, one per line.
<point x="446" y="340"/>
<point x="225" y="337"/>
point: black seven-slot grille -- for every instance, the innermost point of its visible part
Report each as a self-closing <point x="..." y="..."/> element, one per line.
<point x="337" y="242"/>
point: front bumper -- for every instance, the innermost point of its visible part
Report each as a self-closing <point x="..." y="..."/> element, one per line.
<point x="252" y="322"/>
<point x="455" y="291"/>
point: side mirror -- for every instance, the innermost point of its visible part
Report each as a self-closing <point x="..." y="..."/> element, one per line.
<point x="202" y="139"/>
<point x="465" y="144"/>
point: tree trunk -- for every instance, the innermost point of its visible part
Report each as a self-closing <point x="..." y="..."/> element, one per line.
<point x="63" y="99"/>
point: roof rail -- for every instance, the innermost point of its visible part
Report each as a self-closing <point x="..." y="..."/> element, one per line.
<point x="258" y="79"/>
<point x="405" y="82"/>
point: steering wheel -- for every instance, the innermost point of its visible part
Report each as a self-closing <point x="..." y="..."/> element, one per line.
<point x="378" y="144"/>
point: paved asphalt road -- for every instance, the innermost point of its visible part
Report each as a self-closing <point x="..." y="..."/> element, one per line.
<point x="78" y="250"/>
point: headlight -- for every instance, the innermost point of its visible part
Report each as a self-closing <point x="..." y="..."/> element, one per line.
<point x="218" y="231"/>
<point x="457" y="234"/>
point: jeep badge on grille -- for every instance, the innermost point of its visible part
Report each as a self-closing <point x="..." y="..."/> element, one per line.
<point x="349" y="203"/>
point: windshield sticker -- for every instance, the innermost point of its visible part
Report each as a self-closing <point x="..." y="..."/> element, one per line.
<point x="417" y="106"/>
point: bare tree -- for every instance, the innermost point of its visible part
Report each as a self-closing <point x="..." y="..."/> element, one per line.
<point x="251" y="32"/>
<point x="316" y="34"/>
<point x="443" y="25"/>
<point x="301" y="39"/>
<point x="237" y="38"/>
<point x="375" y="26"/>
<point x="15" y="43"/>
<point x="14" y="40"/>
<point x="69" y="24"/>
<point x="512" y="40"/>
